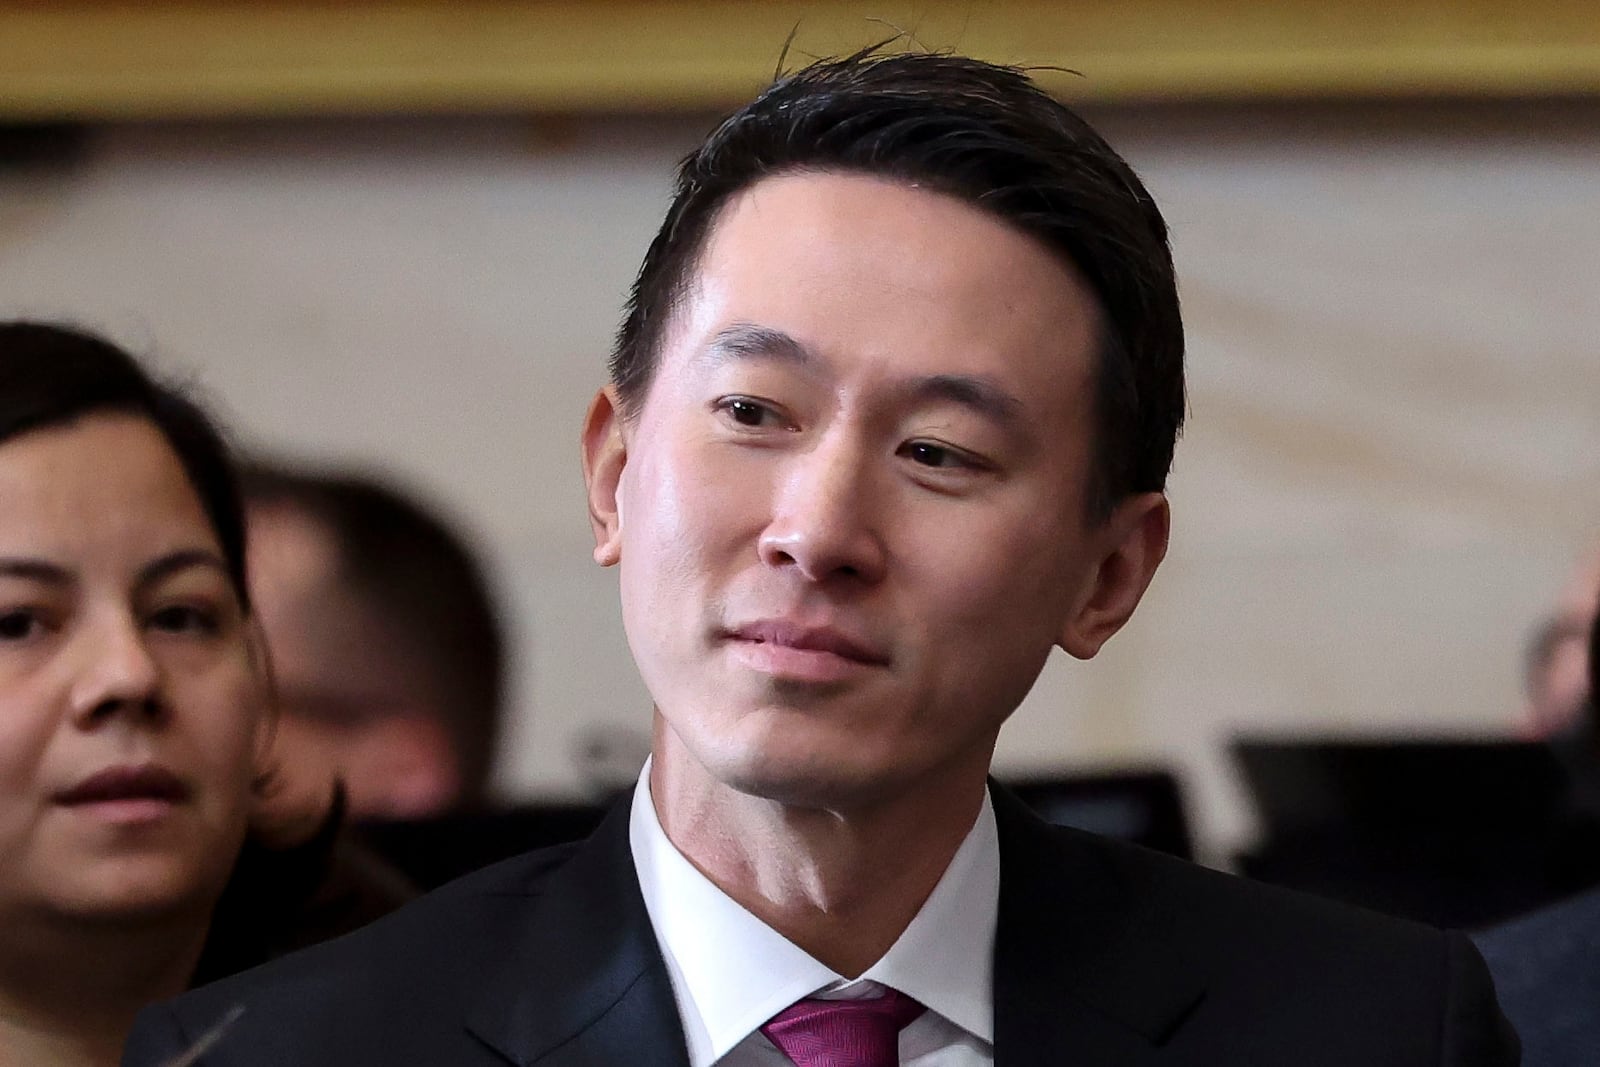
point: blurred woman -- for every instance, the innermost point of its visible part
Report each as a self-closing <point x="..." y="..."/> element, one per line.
<point x="134" y="712"/>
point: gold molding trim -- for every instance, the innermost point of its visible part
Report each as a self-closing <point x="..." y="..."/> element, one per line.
<point x="101" y="60"/>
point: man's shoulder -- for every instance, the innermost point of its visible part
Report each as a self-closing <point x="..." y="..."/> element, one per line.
<point x="1225" y="911"/>
<point x="1222" y="969"/>
<point x="419" y="963"/>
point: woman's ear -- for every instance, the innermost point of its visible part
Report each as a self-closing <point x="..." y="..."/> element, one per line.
<point x="1133" y="543"/>
<point x="279" y="818"/>
<point x="605" y="453"/>
<point x="266" y="730"/>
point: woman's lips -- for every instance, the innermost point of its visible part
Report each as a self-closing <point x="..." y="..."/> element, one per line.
<point x="127" y="793"/>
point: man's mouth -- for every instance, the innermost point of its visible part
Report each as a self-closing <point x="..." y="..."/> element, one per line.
<point x="810" y="639"/>
<point x="804" y="653"/>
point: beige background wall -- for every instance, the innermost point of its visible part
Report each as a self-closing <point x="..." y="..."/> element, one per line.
<point x="1394" y="321"/>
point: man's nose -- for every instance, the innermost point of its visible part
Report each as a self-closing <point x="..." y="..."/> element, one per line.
<point x="827" y="518"/>
<point x="116" y="674"/>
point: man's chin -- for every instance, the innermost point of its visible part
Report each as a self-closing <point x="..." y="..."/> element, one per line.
<point x="810" y="784"/>
<point x="788" y="760"/>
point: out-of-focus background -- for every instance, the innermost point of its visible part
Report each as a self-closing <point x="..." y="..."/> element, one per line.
<point x="397" y="236"/>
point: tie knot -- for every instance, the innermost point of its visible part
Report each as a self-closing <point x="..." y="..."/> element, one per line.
<point x="843" y="1033"/>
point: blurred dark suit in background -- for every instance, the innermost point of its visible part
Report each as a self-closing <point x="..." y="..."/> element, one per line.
<point x="1546" y="966"/>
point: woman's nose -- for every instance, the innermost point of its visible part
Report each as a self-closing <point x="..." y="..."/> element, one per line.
<point x="117" y="674"/>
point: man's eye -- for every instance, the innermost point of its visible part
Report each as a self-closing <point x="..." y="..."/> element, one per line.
<point x="183" y="619"/>
<point x="929" y="454"/>
<point x="747" y="412"/>
<point x="19" y="625"/>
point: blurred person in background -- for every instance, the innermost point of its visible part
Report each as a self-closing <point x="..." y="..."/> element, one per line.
<point x="1556" y="684"/>
<point x="1547" y="966"/>
<point x="387" y="650"/>
<point x="1555" y="678"/>
<point x="142" y="844"/>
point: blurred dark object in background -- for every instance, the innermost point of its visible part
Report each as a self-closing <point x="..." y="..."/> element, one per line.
<point x="1141" y="806"/>
<point x="1455" y="833"/>
<point x="41" y="145"/>
<point x="433" y="851"/>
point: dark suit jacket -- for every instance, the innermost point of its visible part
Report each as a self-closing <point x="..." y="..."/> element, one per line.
<point x="1105" y="955"/>
<point x="1547" y="968"/>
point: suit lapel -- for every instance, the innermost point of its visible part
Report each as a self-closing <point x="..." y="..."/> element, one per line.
<point x="1087" y="970"/>
<point x="585" y="985"/>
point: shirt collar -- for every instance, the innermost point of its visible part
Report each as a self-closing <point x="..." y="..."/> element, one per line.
<point x="731" y="972"/>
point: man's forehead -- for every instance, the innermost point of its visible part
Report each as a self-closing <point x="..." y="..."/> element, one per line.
<point x="813" y="196"/>
<point x="844" y="234"/>
<point x="937" y="236"/>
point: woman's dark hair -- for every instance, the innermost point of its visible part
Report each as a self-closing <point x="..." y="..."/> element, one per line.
<point x="984" y="134"/>
<point x="53" y="375"/>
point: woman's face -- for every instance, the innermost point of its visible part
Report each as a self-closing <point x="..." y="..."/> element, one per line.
<point x="131" y="705"/>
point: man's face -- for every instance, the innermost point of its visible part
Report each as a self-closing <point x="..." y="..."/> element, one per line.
<point x="353" y="703"/>
<point x="850" y="513"/>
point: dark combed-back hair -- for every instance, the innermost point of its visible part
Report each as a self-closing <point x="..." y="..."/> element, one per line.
<point x="400" y="559"/>
<point x="987" y="135"/>
<point x="53" y="375"/>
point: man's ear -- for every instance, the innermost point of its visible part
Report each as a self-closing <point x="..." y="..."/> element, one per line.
<point x="605" y="453"/>
<point x="1132" y="543"/>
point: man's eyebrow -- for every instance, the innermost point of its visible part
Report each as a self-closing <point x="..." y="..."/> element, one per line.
<point x="976" y="393"/>
<point x="182" y="560"/>
<point x="35" y="570"/>
<point x="746" y="340"/>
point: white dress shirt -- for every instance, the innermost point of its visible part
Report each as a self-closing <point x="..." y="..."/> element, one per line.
<point x="731" y="972"/>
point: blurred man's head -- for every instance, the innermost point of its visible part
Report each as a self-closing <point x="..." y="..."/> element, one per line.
<point x="1557" y="672"/>
<point x="386" y="648"/>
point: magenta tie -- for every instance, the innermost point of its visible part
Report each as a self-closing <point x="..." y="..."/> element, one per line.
<point x="843" y="1033"/>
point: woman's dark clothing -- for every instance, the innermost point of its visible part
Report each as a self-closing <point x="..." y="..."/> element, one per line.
<point x="282" y="899"/>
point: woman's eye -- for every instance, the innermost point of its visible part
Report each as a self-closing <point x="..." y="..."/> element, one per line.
<point x="182" y="619"/>
<point x="18" y="625"/>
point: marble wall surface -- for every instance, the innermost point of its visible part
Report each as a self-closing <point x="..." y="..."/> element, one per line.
<point x="1393" y="449"/>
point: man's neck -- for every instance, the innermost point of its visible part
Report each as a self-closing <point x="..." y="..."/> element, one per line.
<point x="69" y="990"/>
<point x="841" y="884"/>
